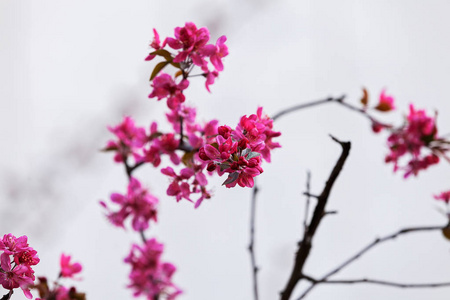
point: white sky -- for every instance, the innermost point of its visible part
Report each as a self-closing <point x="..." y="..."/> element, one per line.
<point x="70" y="68"/>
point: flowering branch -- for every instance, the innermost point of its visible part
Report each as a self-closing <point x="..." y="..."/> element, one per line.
<point x="252" y="242"/>
<point x="377" y="241"/>
<point x="319" y="211"/>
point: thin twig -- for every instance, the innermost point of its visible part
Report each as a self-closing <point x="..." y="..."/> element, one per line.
<point x="377" y="241"/>
<point x="305" y="105"/>
<point x="305" y="246"/>
<point x="252" y="242"/>
<point x="388" y="283"/>
<point x="308" y="198"/>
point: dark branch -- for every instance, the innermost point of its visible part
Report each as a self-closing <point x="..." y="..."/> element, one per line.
<point x="361" y="252"/>
<point x="388" y="283"/>
<point x="7" y="296"/>
<point x="252" y="242"/>
<point x="308" y="199"/>
<point x="319" y="212"/>
<point x="306" y="105"/>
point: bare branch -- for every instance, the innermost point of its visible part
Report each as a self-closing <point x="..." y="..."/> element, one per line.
<point x="361" y="252"/>
<point x="388" y="283"/>
<point x="305" y="246"/>
<point x="308" y="198"/>
<point x="252" y="242"/>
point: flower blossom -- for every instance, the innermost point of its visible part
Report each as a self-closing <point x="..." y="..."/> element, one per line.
<point x="150" y="276"/>
<point x="413" y="139"/>
<point x="68" y="269"/>
<point x="16" y="271"/>
<point x="138" y="204"/>
<point x="444" y="196"/>
<point x="386" y="102"/>
<point x="192" y="48"/>
<point x="131" y="140"/>
<point x="238" y="152"/>
<point x="165" y="87"/>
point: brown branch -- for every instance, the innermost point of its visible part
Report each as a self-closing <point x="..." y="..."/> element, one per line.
<point x="308" y="199"/>
<point x="252" y="242"/>
<point x="377" y="241"/>
<point x="306" y="105"/>
<point x="7" y="296"/>
<point x="319" y="212"/>
<point x="339" y="101"/>
<point x="388" y="283"/>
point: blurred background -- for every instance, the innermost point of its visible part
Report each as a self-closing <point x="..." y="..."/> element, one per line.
<point x="70" y="68"/>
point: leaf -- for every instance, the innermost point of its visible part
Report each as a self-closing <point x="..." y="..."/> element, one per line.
<point x="223" y="167"/>
<point x="231" y="178"/>
<point x="178" y="73"/>
<point x="365" y="97"/>
<point x="158" y="68"/>
<point x="187" y="158"/>
<point x="253" y="154"/>
<point x="164" y="53"/>
<point x="246" y="151"/>
<point x="176" y="65"/>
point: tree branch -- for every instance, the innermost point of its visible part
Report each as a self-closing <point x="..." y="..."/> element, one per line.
<point x="319" y="212"/>
<point x="252" y="242"/>
<point x="388" y="283"/>
<point x="361" y="252"/>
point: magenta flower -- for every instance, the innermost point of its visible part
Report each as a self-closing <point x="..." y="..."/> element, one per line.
<point x="12" y="277"/>
<point x="444" y="196"/>
<point x="149" y="276"/>
<point x="131" y="140"/>
<point x="155" y="44"/>
<point x="386" y="102"/>
<point x="217" y="52"/>
<point x="165" y="87"/>
<point x="69" y="269"/>
<point x="414" y="139"/>
<point x="138" y="204"/>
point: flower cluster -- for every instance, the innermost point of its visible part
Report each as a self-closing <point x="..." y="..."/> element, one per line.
<point x="138" y="204"/>
<point x="150" y="276"/>
<point x="238" y="152"/>
<point x="17" y="258"/>
<point x="418" y="139"/>
<point x="192" y="49"/>
<point x="444" y="196"/>
<point x="60" y="292"/>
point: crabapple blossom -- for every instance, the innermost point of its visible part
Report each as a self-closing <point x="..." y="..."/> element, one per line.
<point x="138" y="204"/>
<point x="150" y="276"/>
<point x="444" y="196"/>
<point x="16" y="261"/>
<point x="413" y="139"/>
<point x="386" y="102"/>
<point x="130" y="140"/>
<point x="68" y="269"/>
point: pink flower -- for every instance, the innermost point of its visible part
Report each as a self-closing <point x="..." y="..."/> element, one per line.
<point x="131" y="140"/>
<point x="15" y="277"/>
<point x="444" y="196"/>
<point x="386" y="102"/>
<point x="68" y="269"/>
<point x="412" y="139"/>
<point x="217" y="52"/>
<point x="150" y="276"/>
<point x="155" y="44"/>
<point x="164" y="86"/>
<point x="190" y="40"/>
<point x="138" y="203"/>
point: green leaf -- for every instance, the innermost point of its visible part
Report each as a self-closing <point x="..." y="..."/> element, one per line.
<point x="231" y="178"/>
<point x="223" y="167"/>
<point x="253" y="154"/>
<point x="158" y="69"/>
<point x="164" y="53"/>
